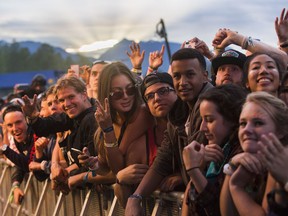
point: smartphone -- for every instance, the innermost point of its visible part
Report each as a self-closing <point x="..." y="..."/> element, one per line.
<point x="190" y="44"/>
<point x="76" y="69"/>
<point x="77" y="151"/>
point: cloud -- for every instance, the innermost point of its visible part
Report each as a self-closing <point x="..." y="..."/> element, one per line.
<point x="71" y="23"/>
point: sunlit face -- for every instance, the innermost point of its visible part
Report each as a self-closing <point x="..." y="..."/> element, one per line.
<point x="16" y="125"/>
<point x="188" y="78"/>
<point x="254" y="122"/>
<point x="53" y="104"/>
<point x="229" y="73"/>
<point x="72" y="102"/>
<point x="44" y="111"/>
<point x="122" y="84"/>
<point x="263" y="75"/>
<point x="162" y="99"/>
<point x="94" y="76"/>
<point x="215" y="127"/>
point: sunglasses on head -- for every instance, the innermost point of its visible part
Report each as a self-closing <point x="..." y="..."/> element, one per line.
<point x="119" y="94"/>
<point x="100" y="62"/>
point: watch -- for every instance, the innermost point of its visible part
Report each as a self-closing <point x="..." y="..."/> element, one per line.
<point x="4" y="147"/>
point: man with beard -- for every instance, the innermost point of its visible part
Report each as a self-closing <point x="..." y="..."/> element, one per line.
<point x="228" y="68"/>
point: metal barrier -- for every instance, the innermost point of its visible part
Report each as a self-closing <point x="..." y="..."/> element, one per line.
<point x="39" y="199"/>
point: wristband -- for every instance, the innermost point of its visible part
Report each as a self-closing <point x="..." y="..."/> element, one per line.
<point x="248" y="41"/>
<point x="15" y="184"/>
<point x="150" y="68"/>
<point x="111" y="145"/>
<point x="43" y="165"/>
<point x="85" y="179"/>
<point x="137" y="70"/>
<point x="108" y="129"/>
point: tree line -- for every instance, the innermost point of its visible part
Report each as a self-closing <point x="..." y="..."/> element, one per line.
<point x="15" y="58"/>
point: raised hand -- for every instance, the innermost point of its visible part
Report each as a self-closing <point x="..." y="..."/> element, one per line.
<point x="29" y="107"/>
<point x="281" y="26"/>
<point x="136" y="56"/>
<point x="102" y="114"/>
<point x="202" y="47"/>
<point x="223" y="38"/>
<point x="156" y="58"/>
<point x="85" y="71"/>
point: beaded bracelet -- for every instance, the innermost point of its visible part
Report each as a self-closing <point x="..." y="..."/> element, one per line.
<point x="136" y="196"/>
<point x="111" y="145"/>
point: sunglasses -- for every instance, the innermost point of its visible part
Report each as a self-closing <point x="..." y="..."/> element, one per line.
<point x="160" y="92"/>
<point x="117" y="95"/>
<point x="100" y="62"/>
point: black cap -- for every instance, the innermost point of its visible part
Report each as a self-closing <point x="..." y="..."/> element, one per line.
<point x="153" y="78"/>
<point x="229" y="57"/>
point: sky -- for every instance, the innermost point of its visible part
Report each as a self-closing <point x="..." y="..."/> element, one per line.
<point x="72" y="24"/>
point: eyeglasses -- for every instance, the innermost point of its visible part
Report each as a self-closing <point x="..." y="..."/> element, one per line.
<point x="117" y="95"/>
<point x="161" y="92"/>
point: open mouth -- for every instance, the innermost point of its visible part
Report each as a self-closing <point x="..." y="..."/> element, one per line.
<point x="264" y="80"/>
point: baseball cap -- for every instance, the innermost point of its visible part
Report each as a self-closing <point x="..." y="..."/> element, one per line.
<point x="153" y="78"/>
<point x="230" y="56"/>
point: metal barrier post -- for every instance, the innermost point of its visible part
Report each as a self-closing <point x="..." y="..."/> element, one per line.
<point x="157" y="208"/>
<point x="37" y="211"/>
<point x="85" y="204"/>
<point x="58" y="204"/>
<point x="25" y="192"/>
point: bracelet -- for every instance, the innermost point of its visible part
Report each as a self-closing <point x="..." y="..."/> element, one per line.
<point x="136" y="196"/>
<point x="150" y="68"/>
<point x="108" y="129"/>
<point x="192" y="169"/>
<point x="137" y="70"/>
<point x="85" y="179"/>
<point x="111" y="145"/>
<point x="15" y="184"/>
<point x="248" y="41"/>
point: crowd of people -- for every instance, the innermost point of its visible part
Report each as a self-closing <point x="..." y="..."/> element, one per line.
<point x="220" y="139"/>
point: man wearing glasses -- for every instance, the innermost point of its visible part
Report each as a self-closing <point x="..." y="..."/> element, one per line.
<point x="189" y="78"/>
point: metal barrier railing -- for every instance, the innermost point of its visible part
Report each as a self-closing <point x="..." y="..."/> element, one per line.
<point x="39" y="199"/>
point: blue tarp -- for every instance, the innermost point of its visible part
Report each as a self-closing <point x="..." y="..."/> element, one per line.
<point x="8" y="80"/>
